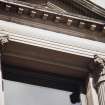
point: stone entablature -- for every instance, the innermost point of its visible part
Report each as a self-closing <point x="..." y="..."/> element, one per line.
<point x="43" y="13"/>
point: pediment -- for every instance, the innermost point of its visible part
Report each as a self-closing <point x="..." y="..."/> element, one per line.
<point x="68" y="7"/>
<point x="57" y="15"/>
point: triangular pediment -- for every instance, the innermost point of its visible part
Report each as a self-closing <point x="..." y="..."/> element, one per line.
<point x="65" y="14"/>
<point x="69" y="7"/>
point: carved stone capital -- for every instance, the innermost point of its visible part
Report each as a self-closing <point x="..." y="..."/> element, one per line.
<point x="3" y="39"/>
<point x="99" y="62"/>
<point x="97" y="69"/>
<point x="99" y="78"/>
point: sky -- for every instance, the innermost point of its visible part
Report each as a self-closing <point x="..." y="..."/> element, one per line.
<point x="24" y="94"/>
<point x="99" y="2"/>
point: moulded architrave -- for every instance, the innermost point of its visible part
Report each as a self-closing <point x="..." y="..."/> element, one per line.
<point x="52" y="40"/>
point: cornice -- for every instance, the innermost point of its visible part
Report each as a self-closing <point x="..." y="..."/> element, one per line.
<point x="82" y="22"/>
<point x="52" y="40"/>
<point x="92" y="7"/>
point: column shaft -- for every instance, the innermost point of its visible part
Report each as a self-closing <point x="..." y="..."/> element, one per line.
<point x="1" y="86"/>
<point x="3" y="40"/>
<point x="101" y="93"/>
<point x="101" y="87"/>
<point x="92" y="98"/>
<point x="83" y="99"/>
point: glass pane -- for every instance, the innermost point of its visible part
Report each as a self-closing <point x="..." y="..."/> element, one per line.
<point x="24" y="94"/>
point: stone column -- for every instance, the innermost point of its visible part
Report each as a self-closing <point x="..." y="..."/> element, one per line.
<point x="98" y="73"/>
<point x="3" y="39"/>
<point x="1" y="86"/>
<point x="92" y="97"/>
<point x="83" y="98"/>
